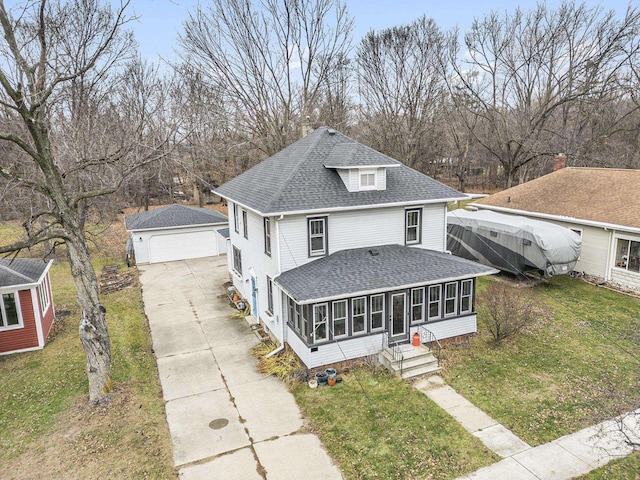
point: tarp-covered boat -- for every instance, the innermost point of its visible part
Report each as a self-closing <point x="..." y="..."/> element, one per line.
<point x="512" y="243"/>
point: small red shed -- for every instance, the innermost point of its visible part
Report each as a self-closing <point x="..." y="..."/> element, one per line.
<point x="26" y="304"/>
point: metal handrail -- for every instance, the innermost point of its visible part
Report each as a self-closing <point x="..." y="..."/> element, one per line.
<point x="396" y="350"/>
<point x="428" y="337"/>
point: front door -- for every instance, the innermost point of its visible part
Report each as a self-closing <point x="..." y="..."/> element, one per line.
<point x="398" y="328"/>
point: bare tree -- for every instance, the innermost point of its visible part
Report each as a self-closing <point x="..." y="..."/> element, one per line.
<point x="76" y="104"/>
<point x="523" y="70"/>
<point x="272" y="59"/>
<point x="400" y="89"/>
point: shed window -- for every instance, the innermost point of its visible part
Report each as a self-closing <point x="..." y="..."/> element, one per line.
<point x="9" y="311"/>
<point x="43" y="291"/>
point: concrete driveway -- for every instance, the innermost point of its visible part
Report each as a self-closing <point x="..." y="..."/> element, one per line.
<point x="227" y="421"/>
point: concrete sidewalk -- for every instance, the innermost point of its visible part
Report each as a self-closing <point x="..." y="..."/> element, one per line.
<point x="227" y="421"/>
<point x="564" y="458"/>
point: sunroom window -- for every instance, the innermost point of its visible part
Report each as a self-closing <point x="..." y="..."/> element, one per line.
<point x="628" y="255"/>
<point x="320" y="331"/>
<point x="359" y="314"/>
<point x="450" y="294"/>
<point x="466" y="289"/>
<point x="435" y="292"/>
<point x="377" y="312"/>
<point x="339" y="318"/>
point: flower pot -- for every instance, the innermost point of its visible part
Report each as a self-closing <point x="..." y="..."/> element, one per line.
<point x="331" y="381"/>
<point x="331" y="372"/>
<point x="321" y="378"/>
<point x="236" y="297"/>
<point x="313" y="383"/>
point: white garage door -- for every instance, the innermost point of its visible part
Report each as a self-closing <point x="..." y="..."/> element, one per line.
<point x="179" y="246"/>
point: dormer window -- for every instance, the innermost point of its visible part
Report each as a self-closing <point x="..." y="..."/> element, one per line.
<point x="367" y="180"/>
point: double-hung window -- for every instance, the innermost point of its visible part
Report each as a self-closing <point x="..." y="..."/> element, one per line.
<point x="377" y="312"/>
<point x="237" y="260"/>
<point x="267" y="235"/>
<point x="9" y="314"/>
<point x="236" y="221"/>
<point x="317" y="228"/>
<point x="269" y="295"/>
<point x="417" y="305"/>
<point x="435" y="292"/>
<point x="466" y="290"/>
<point x="245" y="224"/>
<point x="320" y="330"/>
<point x="339" y="318"/>
<point x="450" y="296"/>
<point x="413" y="228"/>
<point x="359" y="314"/>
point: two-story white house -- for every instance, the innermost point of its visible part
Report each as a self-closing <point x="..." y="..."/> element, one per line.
<point x="339" y="249"/>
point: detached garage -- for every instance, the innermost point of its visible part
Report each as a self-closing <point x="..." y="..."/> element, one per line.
<point x="176" y="232"/>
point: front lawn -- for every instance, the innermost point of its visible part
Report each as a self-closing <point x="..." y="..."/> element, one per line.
<point x="377" y="426"/>
<point x="565" y="373"/>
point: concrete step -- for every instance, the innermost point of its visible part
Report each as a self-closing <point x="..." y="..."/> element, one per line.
<point x="416" y="361"/>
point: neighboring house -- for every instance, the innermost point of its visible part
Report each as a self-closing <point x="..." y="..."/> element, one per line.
<point x="26" y="304"/>
<point x="601" y="204"/>
<point x="339" y="249"/>
<point x="176" y="232"/>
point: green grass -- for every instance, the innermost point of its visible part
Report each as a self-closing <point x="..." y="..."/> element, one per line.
<point x="571" y="371"/>
<point x="378" y="427"/>
<point x="627" y="468"/>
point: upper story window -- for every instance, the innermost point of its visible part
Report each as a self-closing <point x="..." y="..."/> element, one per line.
<point x="367" y="180"/>
<point x="245" y="224"/>
<point x="236" y="221"/>
<point x="317" y="228"/>
<point x="413" y="227"/>
<point x="267" y="236"/>
<point x="9" y="314"/>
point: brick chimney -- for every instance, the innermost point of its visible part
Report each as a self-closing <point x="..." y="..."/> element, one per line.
<point x="559" y="162"/>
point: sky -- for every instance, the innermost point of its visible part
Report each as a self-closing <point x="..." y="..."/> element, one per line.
<point x="160" y="20"/>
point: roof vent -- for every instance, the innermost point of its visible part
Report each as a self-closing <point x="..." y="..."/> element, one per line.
<point x="331" y="131"/>
<point x="374" y="253"/>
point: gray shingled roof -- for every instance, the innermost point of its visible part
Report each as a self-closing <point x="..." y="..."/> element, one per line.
<point x="354" y="272"/>
<point x="295" y="179"/>
<point x="224" y="232"/>
<point x="173" y="216"/>
<point x="21" y="271"/>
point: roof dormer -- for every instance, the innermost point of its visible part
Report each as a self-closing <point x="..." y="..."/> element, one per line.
<point x="358" y="169"/>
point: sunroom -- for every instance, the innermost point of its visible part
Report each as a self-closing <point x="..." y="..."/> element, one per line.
<point x="349" y="304"/>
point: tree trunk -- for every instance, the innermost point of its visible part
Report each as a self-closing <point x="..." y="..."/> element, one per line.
<point x="93" y="326"/>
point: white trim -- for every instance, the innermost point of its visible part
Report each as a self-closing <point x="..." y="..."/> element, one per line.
<point x="28" y="349"/>
<point x="385" y="290"/>
<point x="321" y="211"/>
<point x="37" y="317"/>
<point x="178" y="226"/>
<point x="362" y="167"/>
<point x="559" y="218"/>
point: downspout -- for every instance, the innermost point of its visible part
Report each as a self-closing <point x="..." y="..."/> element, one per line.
<point x="281" y="347"/>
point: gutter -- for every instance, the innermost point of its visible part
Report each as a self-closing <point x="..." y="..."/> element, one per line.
<point x="560" y="218"/>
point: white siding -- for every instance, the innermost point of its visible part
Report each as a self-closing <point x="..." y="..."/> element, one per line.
<point x="452" y="327"/>
<point x="626" y="278"/>
<point x="357" y="229"/>
<point x="143" y="242"/>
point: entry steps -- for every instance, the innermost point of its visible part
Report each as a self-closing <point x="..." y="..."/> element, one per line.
<point x="417" y="361"/>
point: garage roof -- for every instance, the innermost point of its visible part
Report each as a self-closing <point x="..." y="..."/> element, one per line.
<point x="173" y="216"/>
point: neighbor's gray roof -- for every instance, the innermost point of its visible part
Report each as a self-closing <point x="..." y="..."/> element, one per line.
<point x="173" y="216"/>
<point x="354" y="272"/>
<point x="21" y="271"/>
<point x="224" y="232"/>
<point x="296" y="179"/>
